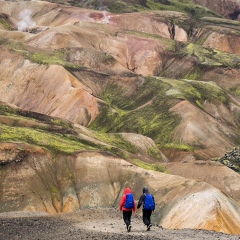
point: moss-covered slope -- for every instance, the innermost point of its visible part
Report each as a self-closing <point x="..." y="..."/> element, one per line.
<point x="134" y="73"/>
<point x="61" y="137"/>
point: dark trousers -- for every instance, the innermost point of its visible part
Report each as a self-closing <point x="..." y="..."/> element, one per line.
<point x="147" y="216"/>
<point x="127" y="217"/>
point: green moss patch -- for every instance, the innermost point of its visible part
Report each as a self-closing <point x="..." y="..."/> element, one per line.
<point x="145" y="112"/>
<point x="154" y="152"/>
<point x="121" y="7"/>
<point x="56" y="143"/>
<point x="18" y="114"/>
<point x="231" y="26"/>
<point x="178" y="146"/>
<point x="148" y="166"/>
<point x="235" y="90"/>
<point x="124" y="6"/>
<point x="206" y="56"/>
<point x="116" y="140"/>
<point x="57" y="57"/>
<point x="7" y="110"/>
<point x="197" y="91"/>
<point x="57" y="135"/>
<point x="186" y="6"/>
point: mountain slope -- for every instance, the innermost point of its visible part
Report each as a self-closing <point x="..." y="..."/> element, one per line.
<point x="100" y="95"/>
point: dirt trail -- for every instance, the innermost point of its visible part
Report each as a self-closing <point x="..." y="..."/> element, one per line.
<point x="91" y="224"/>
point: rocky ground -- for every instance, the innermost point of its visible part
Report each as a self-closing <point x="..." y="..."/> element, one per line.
<point x="91" y="224"/>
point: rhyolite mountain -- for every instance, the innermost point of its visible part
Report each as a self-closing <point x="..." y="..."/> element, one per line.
<point x="95" y="98"/>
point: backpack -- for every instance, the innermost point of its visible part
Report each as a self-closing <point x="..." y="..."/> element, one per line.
<point x="149" y="202"/>
<point x="129" y="204"/>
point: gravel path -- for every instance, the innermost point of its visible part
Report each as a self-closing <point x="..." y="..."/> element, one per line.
<point x="91" y="224"/>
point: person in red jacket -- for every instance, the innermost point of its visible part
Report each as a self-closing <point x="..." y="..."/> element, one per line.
<point x="127" y="206"/>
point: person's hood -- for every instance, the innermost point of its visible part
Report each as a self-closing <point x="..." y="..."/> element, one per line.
<point x="127" y="190"/>
<point x="145" y="190"/>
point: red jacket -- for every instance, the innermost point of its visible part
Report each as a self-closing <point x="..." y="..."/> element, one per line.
<point x="123" y="200"/>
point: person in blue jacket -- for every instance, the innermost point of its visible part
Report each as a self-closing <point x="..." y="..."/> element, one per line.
<point x="148" y="202"/>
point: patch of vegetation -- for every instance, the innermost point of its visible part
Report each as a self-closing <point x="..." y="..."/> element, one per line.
<point x="5" y="24"/>
<point x="17" y="114"/>
<point x="54" y="190"/>
<point x="60" y="122"/>
<point x="119" y="7"/>
<point x="57" y="57"/>
<point x="186" y="6"/>
<point x="145" y="112"/>
<point x="56" y="143"/>
<point x="210" y="91"/>
<point x="148" y="166"/>
<point x="235" y="90"/>
<point x="182" y="89"/>
<point x="5" y="110"/>
<point x="154" y="152"/>
<point x="116" y="140"/>
<point x="117" y="152"/>
<point x="178" y="146"/>
<point x="13" y="45"/>
<point x="197" y="91"/>
<point x="194" y="74"/>
<point x="112" y="95"/>
<point x="123" y="6"/>
<point x="58" y="140"/>
<point x="222" y="22"/>
<point x="208" y="57"/>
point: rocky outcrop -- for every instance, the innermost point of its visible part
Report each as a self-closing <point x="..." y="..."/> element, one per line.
<point x="232" y="159"/>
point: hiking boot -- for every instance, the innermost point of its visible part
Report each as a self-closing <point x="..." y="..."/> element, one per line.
<point x="129" y="228"/>
<point x="149" y="226"/>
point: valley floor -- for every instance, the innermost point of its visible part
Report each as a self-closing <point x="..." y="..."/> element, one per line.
<point x="91" y="224"/>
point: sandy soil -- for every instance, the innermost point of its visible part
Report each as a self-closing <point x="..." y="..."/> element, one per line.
<point x="91" y="224"/>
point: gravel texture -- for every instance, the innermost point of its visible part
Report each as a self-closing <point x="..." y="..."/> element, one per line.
<point x="91" y="224"/>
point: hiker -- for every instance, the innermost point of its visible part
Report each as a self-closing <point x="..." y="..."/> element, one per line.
<point x="127" y="205"/>
<point x="148" y="202"/>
